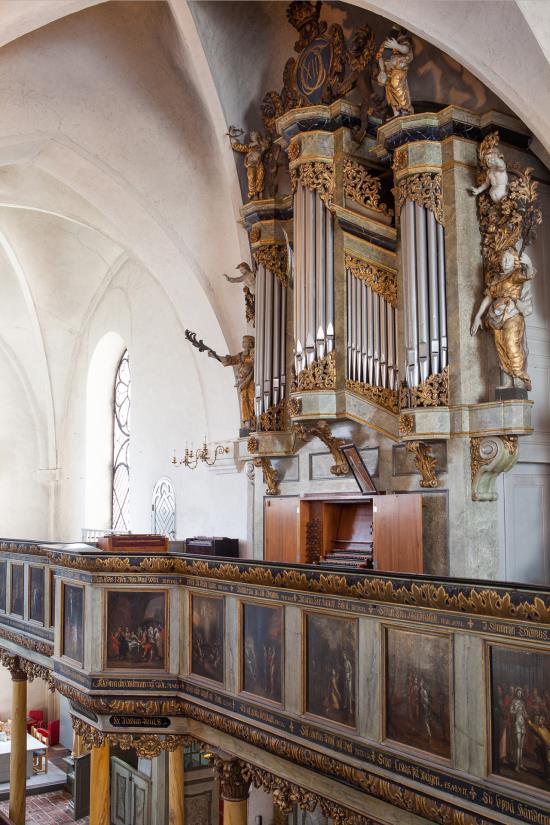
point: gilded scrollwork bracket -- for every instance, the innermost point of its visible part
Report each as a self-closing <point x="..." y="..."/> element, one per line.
<point x="489" y="457"/>
<point x="424" y="461"/>
<point x="271" y="476"/>
<point x="322" y="431"/>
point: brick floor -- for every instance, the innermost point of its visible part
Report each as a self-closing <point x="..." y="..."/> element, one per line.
<point x="47" y="809"/>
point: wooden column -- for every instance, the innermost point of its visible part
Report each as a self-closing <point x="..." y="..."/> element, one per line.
<point x="18" y="756"/>
<point x="234" y="790"/>
<point x="100" y="797"/>
<point x="176" y="787"/>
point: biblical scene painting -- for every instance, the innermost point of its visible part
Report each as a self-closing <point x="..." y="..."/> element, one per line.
<point x="262" y="651"/>
<point x="72" y="644"/>
<point x="331" y="667"/>
<point x="17" y="589"/>
<point x="3" y="583"/>
<point x="136" y="629"/>
<point x="520" y="715"/>
<point x="37" y="586"/>
<point x="207" y="637"/>
<point x="418" y="698"/>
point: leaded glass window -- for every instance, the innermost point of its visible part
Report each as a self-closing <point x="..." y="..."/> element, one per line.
<point x="121" y="447"/>
<point x="164" y="509"/>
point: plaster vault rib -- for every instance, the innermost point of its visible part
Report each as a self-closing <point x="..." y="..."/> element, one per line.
<point x="51" y="441"/>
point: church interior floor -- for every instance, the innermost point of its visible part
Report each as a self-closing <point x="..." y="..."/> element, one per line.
<point x="47" y="809"/>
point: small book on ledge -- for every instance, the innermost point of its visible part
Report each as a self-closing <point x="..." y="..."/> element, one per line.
<point x="133" y="543"/>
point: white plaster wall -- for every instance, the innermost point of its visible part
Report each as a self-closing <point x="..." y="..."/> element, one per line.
<point x="37" y="695"/>
<point x="168" y="409"/>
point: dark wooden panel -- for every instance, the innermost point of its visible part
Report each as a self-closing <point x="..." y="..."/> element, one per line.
<point x="282" y="529"/>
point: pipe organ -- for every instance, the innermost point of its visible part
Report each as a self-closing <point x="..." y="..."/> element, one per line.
<point x="313" y="278"/>
<point x="425" y="309"/>
<point x="270" y="353"/>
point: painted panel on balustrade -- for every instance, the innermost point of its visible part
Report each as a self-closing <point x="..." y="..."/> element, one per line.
<point x="262" y="640"/>
<point x="520" y="715"/>
<point x="136" y="625"/>
<point x="331" y="662"/>
<point x="207" y="637"/>
<point x="418" y="708"/>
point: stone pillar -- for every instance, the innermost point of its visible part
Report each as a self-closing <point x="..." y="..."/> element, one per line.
<point x="18" y="757"/>
<point x="100" y="797"/>
<point x="234" y="790"/>
<point x="176" y="787"/>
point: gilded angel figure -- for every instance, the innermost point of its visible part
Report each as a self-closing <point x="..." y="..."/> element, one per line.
<point x="394" y="58"/>
<point x="506" y="303"/>
<point x="254" y="152"/>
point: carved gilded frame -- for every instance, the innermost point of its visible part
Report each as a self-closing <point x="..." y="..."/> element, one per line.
<point x="540" y="794"/>
<point x="304" y="675"/>
<point x="383" y="673"/>
<point x="193" y="592"/>
<point x="240" y="647"/>
<point x="105" y="642"/>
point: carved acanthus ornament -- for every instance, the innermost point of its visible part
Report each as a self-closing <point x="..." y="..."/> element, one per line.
<point x="317" y="176"/>
<point x="147" y="745"/>
<point x="45" y="648"/>
<point x="508" y="217"/>
<point x="433" y="392"/>
<point x="424" y="461"/>
<point x="320" y="375"/>
<point x="490" y="456"/>
<point x="400" y="159"/>
<point x="274" y="258"/>
<point x="252" y="445"/>
<point x="406" y="424"/>
<point x="380" y="280"/>
<point x="234" y="778"/>
<point x="362" y="187"/>
<point x="273" y="419"/>
<point x="28" y="549"/>
<point x="381" y="396"/>
<point x="294" y="407"/>
<point x="271" y="476"/>
<point x="322" y="431"/>
<point x="424" y="189"/>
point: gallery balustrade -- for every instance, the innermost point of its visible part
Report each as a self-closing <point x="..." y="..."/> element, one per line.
<point x="429" y="694"/>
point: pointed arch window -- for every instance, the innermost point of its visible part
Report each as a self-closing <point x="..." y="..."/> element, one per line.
<point x="121" y="447"/>
<point x="164" y="509"/>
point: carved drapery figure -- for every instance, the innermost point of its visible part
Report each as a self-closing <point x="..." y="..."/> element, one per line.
<point x="254" y="159"/>
<point x="495" y="175"/>
<point x="244" y="361"/>
<point x="248" y="279"/>
<point x="507" y="302"/>
<point x="394" y="58"/>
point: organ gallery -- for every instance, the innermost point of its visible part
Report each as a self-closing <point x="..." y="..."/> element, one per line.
<point x="275" y="354"/>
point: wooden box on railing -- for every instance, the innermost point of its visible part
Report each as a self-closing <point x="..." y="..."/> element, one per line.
<point x="134" y="543"/>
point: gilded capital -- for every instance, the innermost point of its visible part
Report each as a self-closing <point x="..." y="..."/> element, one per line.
<point x="234" y="785"/>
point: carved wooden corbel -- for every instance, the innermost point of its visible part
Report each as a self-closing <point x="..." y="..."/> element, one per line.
<point x="271" y="476"/>
<point x="234" y="781"/>
<point x="424" y="461"/>
<point x="322" y="430"/>
<point x="490" y="456"/>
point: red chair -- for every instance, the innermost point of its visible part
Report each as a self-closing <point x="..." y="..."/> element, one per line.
<point x="50" y="732"/>
<point x="37" y="717"/>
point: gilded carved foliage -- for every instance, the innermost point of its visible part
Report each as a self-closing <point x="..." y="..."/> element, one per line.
<point x="380" y="280"/>
<point x="406" y="424"/>
<point x="274" y="258"/>
<point x="317" y="176"/>
<point x="147" y="745"/>
<point x="507" y="218"/>
<point x="234" y="778"/>
<point x="252" y="445"/>
<point x="271" y="476"/>
<point x="274" y="419"/>
<point x="424" y="461"/>
<point x="490" y="456"/>
<point x="381" y="396"/>
<point x="362" y="187"/>
<point x="18" y="547"/>
<point x="294" y="407"/>
<point x="45" y="648"/>
<point x="322" y="431"/>
<point x="424" y="189"/>
<point x="433" y="392"/>
<point x="320" y="375"/>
